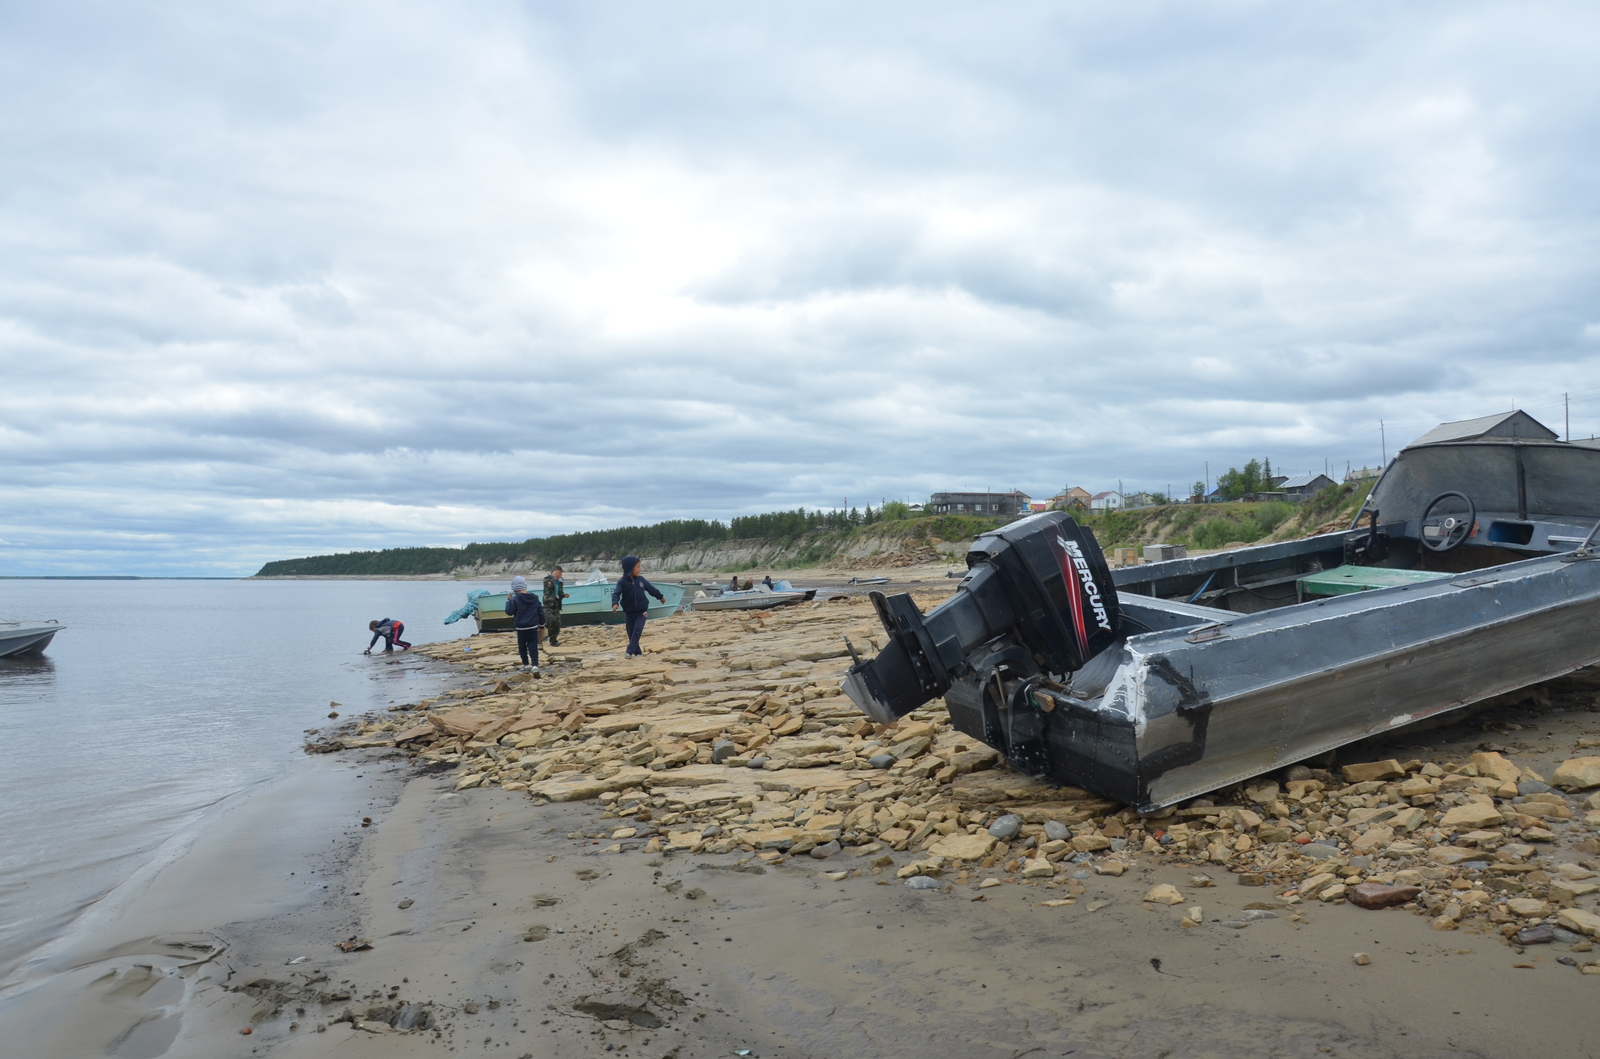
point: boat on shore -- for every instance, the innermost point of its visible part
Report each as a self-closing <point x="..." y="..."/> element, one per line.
<point x="588" y="603"/>
<point x="25" y="637"/>
<point x="758" y="598"/>
<point x="1471" y="571"/>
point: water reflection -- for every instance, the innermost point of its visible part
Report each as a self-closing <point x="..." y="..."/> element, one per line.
<point x="25" y="667"/>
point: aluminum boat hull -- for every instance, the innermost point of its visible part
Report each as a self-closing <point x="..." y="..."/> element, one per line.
<point x="27" y="637"/>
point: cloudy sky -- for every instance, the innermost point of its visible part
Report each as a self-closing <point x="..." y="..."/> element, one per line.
<point x="287" y="278"/>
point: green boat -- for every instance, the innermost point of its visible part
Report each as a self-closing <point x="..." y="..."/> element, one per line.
<point x="588" y="603"/>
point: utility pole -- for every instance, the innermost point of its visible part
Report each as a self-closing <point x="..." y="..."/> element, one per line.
<point x="1208" y="476"/>
<point x="1383" y="439"/>
<point x="1566" y="409"/>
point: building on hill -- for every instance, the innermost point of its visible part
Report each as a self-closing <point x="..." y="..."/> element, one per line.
<point x="1302" y="486"/>
<point x="1517" y="424"/>
<point x="1110" y="500"/>
<point x="1139" y="500"/>
<point x="1074" y="499"/>
<point x="1007" y="504"/>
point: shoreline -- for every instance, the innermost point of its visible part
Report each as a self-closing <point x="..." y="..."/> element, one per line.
<point x="514" y="913"/>
<point x="128" y="970"/>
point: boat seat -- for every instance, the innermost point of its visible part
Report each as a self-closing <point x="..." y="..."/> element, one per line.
<point x="1343" y="580"/>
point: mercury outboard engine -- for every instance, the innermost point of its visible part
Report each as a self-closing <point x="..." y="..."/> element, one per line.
<point x="1036" y="604"/>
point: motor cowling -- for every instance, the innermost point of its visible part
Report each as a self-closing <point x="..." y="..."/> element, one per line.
<point x="1042" y="580"/>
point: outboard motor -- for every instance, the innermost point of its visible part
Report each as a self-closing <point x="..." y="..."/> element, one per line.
<point x="1036" y="604"/>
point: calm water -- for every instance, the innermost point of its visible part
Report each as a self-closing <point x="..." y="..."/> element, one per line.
<point x="164" y="697"/>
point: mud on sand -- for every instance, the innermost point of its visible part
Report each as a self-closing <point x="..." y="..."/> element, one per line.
<point x="588" y="864"/>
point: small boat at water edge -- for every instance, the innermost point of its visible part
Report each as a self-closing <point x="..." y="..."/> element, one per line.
<point x="23" y="637"/>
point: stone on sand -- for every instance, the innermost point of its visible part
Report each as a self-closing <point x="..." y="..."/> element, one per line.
<point x="964" y="847"/>
<point x="1579" y="773"/>
<point x="1380" y="895"/>
<point x="1372" y="770"/>
<point x="1164" y="894"/>
<point x="1580" y="921"/>
<point x="1497" y="765"/>
<point x="1470" y="815"/>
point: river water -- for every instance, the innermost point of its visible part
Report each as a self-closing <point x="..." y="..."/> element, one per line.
<point x="162" y="699"/>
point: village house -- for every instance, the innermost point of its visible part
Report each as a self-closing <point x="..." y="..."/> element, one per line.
<point x="1110" y="500"/>
<point x="1009" y="504"/>
<point x="1301" y="486"/>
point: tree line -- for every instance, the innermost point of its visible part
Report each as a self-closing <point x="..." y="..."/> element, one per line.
<point x="590" y="544"/>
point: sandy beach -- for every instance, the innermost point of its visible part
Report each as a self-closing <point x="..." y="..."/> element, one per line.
<point x="587" y="864"/>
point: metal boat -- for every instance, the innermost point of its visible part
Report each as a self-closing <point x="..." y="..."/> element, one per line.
<point x="758" y="598"/>
<point x="1470" y="571"/>
<point x="587" y="603"/>
<point x="23" y="637"/>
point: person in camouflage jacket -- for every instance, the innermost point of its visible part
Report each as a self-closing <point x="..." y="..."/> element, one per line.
<point x="554" y="593"/>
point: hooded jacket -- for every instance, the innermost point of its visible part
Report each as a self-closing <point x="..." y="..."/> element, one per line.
<point x="384" y="631"/>
<point x="632" y="590"/>
<point x="525" y="609"/>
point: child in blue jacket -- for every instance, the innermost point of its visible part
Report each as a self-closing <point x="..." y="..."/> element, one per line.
<point x="527" y="617"/>
<point x="630" y="594"/>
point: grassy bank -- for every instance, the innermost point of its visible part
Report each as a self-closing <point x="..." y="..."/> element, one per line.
<point x="1208" y="526"/>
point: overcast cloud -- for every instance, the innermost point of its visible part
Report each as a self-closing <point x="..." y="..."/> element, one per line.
<point x="289" y="278"/>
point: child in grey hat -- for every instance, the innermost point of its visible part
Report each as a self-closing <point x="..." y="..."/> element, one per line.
<point x="527" y="617"/>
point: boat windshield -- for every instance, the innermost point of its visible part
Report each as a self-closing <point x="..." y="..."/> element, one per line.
<point x="595" y="577"/>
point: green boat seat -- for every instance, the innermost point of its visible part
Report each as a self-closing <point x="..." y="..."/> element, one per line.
<point x="1343" y="580"/>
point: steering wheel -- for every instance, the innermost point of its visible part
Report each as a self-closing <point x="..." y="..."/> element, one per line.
<point x="1449" y="529"/>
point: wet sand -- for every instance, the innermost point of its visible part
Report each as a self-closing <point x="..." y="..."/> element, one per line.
<point x="789" y="963"/>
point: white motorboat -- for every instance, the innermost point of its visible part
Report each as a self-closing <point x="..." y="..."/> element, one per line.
<point x="758" y="598"/>
<point x="21" y="637"/>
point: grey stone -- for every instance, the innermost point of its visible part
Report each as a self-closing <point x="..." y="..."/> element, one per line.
<point x="1081" y="874"/>
<point x="881" y="761"/>
<point x="1005" y="828"/>
<point x="1361" y="862"/>
<point x="1318" y="850"/>
<point x="1533" y="787"/>
<point x="922" y="882"/>
<point x="413" y="1017"/>
<point x="757" y="763"/>
<point x="826" y="850"/>
<point x="1234" y="924"/>
<point x="1251" y="915"/>
<point x="1543" y="934"/>
<point x="1056" y="831"/>
<point x="1565" y="936"/>
<point x="721" y="751"/>
<point x="1083" y="858"/>
<point x="1118" y="844"/>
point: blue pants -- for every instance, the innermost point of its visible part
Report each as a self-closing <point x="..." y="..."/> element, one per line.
<point x="528" y="644"/>
<point x="634" y="623"/>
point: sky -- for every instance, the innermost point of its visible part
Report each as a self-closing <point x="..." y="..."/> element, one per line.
<point x="287" y="278"/>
